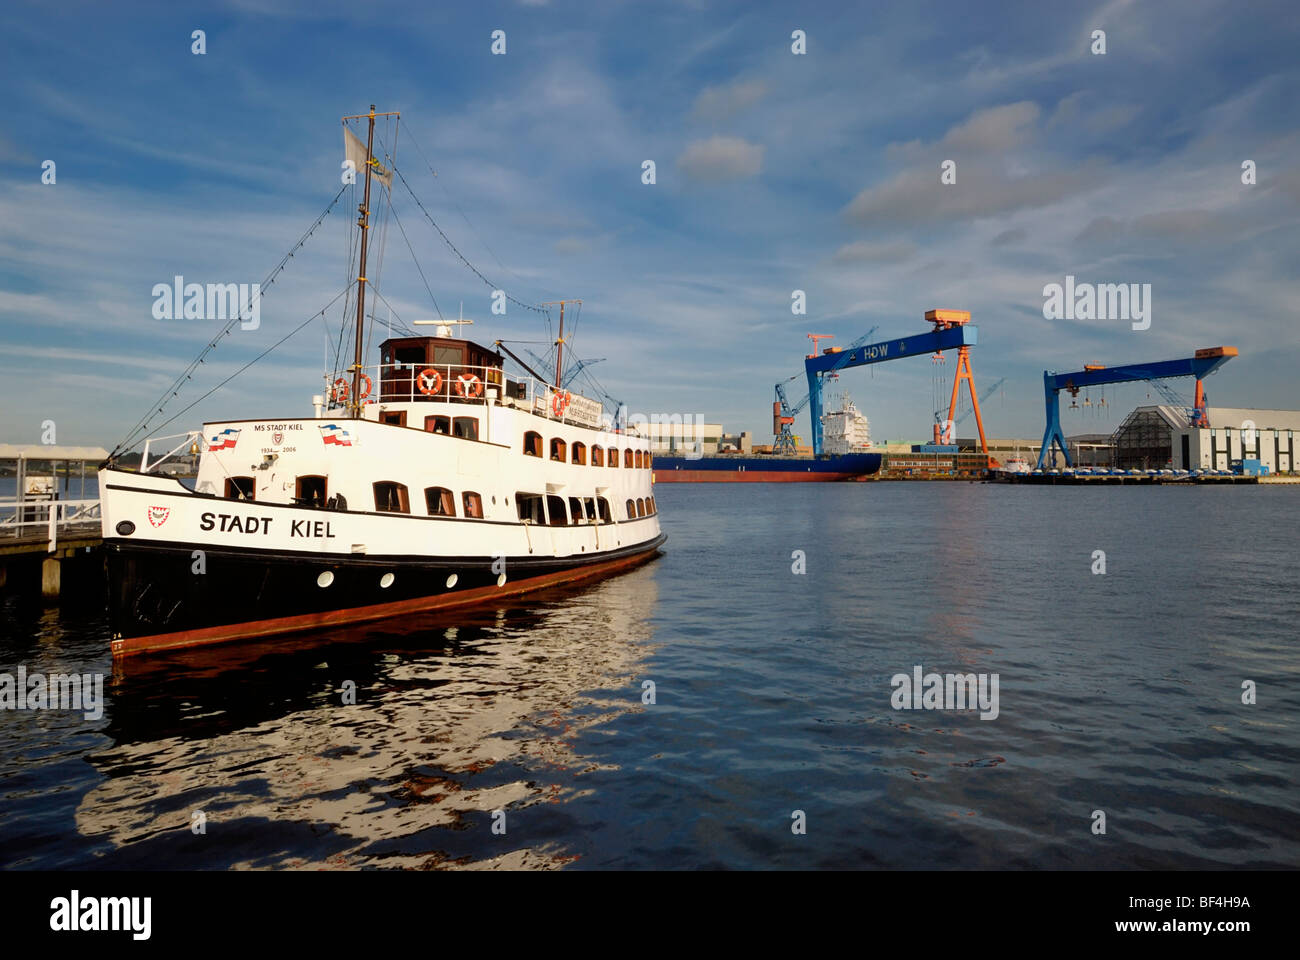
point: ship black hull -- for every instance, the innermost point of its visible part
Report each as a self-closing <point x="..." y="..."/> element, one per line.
<point x="163" y="597"/>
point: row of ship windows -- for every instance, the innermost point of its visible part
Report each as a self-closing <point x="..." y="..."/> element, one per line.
<point x="632" y="459"/>
<point x="467" y="427"/>
<point x="392" y="497"/>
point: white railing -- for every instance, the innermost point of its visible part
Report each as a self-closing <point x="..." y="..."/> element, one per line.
<point x="190" y="440"/>
<point x="456" y="383"/>
<point x="18" y="514"/>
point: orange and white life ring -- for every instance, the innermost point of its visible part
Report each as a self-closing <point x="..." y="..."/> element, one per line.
<point x="365" y="387"/>
<point x="559" y="402"/>
<point x="340" y="392"/>
<point x="468" y="385"/>
<point x="429" y="381"/>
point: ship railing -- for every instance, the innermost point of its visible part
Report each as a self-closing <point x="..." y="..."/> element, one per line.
<point x="189" y="442"/>
<point x="459" y="383"/>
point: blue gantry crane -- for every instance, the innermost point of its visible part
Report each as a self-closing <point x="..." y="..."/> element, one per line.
<point x="1200" y="366"/>
<point x="952" y="331"/>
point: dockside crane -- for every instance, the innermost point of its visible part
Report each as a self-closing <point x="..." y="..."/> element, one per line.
<point x="783" y="414"/>
<point x="1200" y="366"/>
<point x="943" y="428"/>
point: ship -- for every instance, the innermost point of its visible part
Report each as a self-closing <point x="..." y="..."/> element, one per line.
<point x="432" y="479"/>
<point x="848" y="456"/>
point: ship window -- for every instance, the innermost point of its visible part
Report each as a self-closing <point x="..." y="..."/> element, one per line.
<point x="557" y="449"/>
<point x="589" y="507"/>
<point x="529" y="506"/>
<point x="636" y="459"/>
<point x="467" y="427"/>
<point x="240" y="488"/>
<point x="640" y="507"/>
<point x="627" y="458"/>
<point x="603" y="505"/>
<point x="597" y="456"/>
<point x="391" y="497"/>
<point x="613" y="456"/>
<point x="448" y="356"/>
<point x="532" y="444"/>
<point x="437" y="424"/>
<point x="580" y="453"/>
<point x="473" y="506"/>
<point x="631" y="510"/>
<point x="650" y="505"/>
<point x="310" y="491"/>
<point x="396" y="417"/>
<point x="575" y="510"/>
<point x="411" y="355"/>
<point x="555" y="511"/>
<point x="439" y="501"/>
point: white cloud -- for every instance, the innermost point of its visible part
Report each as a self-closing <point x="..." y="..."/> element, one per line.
<point x="721" y="158"/>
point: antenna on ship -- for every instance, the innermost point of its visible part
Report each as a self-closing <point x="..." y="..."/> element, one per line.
<point x="444" y="325"/>
<point x="363" y="221"/>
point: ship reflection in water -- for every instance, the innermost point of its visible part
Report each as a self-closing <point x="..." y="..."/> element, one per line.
<point x="455" y="717"/>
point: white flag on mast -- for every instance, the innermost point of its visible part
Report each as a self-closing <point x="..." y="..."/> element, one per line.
<point x="355" y="151"/>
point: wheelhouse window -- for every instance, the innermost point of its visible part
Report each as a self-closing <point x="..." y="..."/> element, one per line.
<point x="473" y="505"/>
<point x="580" y="453"/>
<point x="575" y="510"/>
<point x="240" y="488"/>
<point x="631" y="510"/>
<point x="613" y="456"/>
<point x="597" y="456"/>
<point x="603" y="506"/>
<point x="310" y="491"/>
<point x="627" y="458"/>
<point x="532" y="444"/>
<point x="555" y="511"/>
<point x="466" y="427"/>
<point x="530" y="508"/>
<point x="558" y="449"/>
<point x="440" y="502"/>
<point x="391" y="497"/>
<point x="437" y="424"/>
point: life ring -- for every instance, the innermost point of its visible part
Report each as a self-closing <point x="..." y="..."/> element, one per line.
<point x="340" y="390"/>
<point x="468" y="385"/>
<point x="559" y="403"/>
<point x="365" y="390"/>
<point x="429" y="381"/>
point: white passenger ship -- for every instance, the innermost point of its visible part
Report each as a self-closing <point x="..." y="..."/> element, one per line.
<point x="430" y="481"/>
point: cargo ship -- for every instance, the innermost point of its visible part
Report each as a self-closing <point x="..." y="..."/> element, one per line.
<point x="848" y="457"/>
<point x="761" y="468"/>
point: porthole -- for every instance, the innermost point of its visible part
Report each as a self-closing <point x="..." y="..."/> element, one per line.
<point x="386" y="580"/>
<point x="325" y="579"/>
<point x="125" y="528"/>
<point x="451" y="580"/>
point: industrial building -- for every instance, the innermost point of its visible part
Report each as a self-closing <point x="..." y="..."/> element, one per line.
<point x="1160" y="437"/>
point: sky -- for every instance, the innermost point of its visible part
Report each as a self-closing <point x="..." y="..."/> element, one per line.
<point x="775" y="171"/>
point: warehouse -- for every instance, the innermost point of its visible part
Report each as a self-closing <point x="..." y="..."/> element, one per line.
<point x="1158" y="437"/>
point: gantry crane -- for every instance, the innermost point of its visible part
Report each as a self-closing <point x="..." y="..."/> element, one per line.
<point x="1200" y="366"/>
<point x="943" y="428"/>
<point x="952" y="331"/>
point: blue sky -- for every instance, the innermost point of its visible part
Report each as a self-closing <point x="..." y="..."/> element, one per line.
<point x="775" y="172"/>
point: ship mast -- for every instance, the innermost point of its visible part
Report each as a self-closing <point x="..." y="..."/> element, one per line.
<point x="559" y="343"/>
<point x="363" y="221"/>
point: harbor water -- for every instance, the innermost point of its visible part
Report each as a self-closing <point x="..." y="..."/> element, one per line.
<point x="729" y="705"/>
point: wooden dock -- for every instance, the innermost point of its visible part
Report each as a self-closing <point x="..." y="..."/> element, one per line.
<point x="40" y="537"/>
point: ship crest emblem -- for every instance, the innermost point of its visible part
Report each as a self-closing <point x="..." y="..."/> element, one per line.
<point x="277" y="438"/>
<point x="158" y="515"/>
